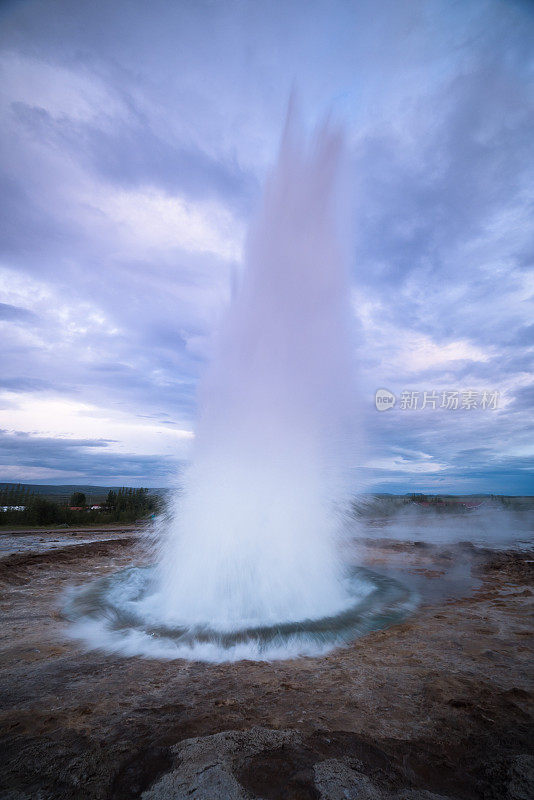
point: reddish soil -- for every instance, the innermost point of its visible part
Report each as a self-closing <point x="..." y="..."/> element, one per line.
<point x="441" y="703"/>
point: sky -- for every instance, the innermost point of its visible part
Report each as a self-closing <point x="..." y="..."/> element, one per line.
<point x="135" y="140"/>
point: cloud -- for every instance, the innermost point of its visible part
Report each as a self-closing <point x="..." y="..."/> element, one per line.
<point x="131" y="155"/>
<point x="149" y="220"/>
<point x="135" y="141"/>
<point x="56" y="460"/>
<point x="11" y="313"/>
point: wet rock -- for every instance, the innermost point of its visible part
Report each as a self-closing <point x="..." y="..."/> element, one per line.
<point x="206" y="764"/>
<point x="336" y="780"/>
<point x="211" y="782"/>
<point x="521" y="783"/>
<point x="265" y="764"/>
<point x="415" y="794"/>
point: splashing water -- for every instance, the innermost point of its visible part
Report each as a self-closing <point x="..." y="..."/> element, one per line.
<point x="249" y="562"/>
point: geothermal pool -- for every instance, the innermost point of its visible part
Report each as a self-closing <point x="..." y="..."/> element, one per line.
<point x="122" y="613"/>
<point x="248" y="562"/>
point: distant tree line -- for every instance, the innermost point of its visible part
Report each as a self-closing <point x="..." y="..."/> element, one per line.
<point x="388" y="505"/>
<point x="15" y="495"/>
<point x="24" y="507"/>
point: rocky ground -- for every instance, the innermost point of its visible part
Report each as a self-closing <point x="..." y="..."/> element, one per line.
<point x="440" y="705"/>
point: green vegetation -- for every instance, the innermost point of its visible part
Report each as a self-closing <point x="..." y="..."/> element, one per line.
<point x="20" y="506"/>
<point x="23" y="505"/>
<point x="77" y="499"/>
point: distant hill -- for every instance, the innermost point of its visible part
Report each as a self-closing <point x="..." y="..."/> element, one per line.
<point x="94" y="494"/>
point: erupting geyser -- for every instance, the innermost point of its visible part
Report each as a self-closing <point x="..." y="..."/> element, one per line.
<point x="249" y="565"/>
<point x="255" y="527"/>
